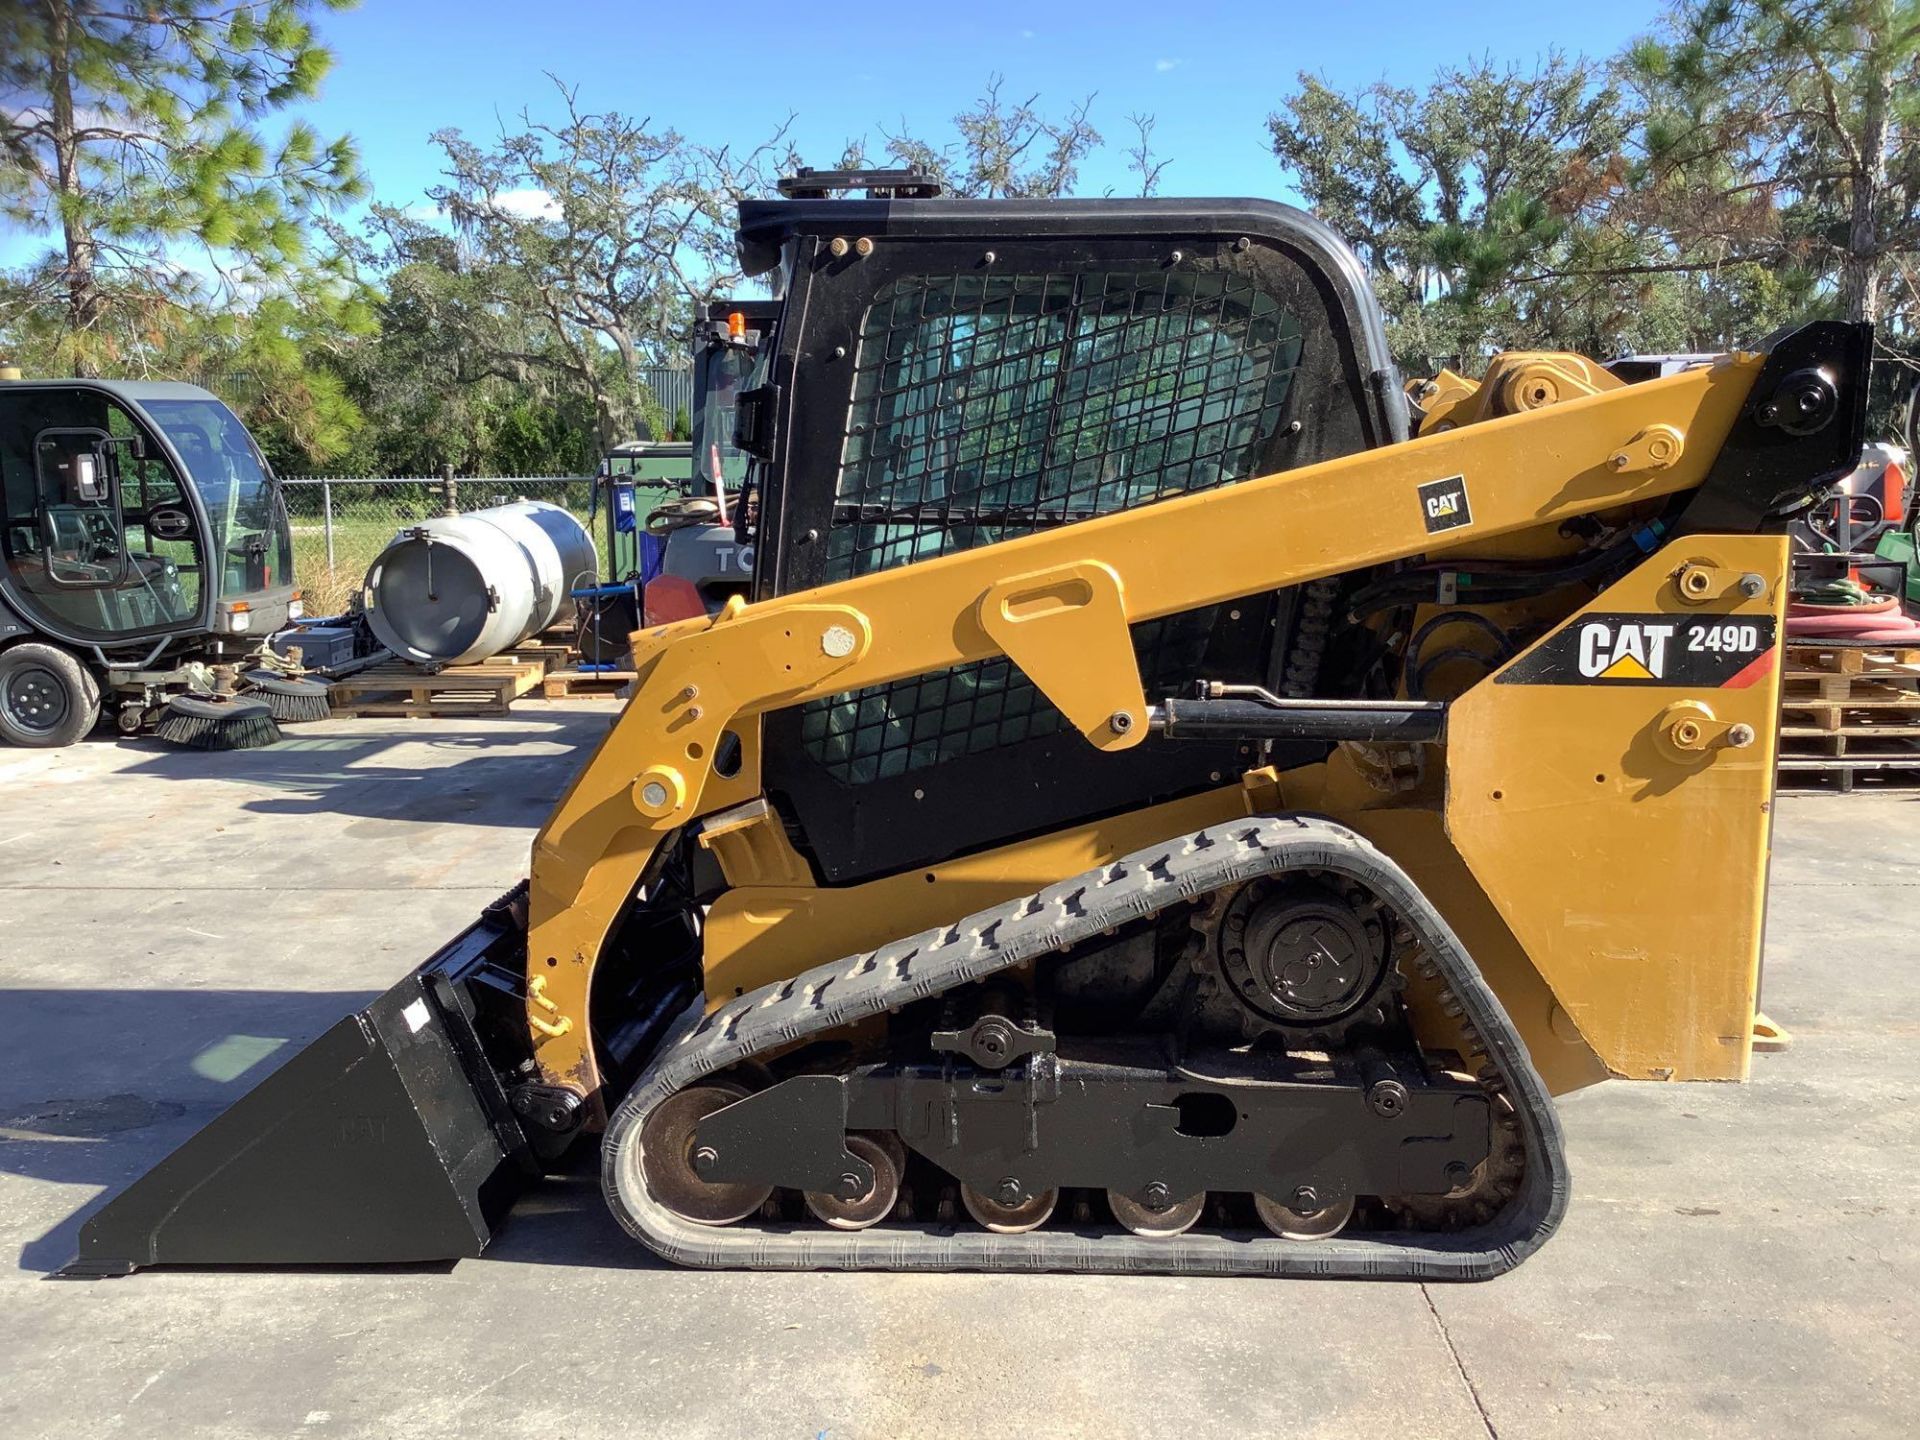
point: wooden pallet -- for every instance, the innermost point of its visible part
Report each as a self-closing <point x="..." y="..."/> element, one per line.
<point x="587" y="684"/>
<point x="1875" y="714"/>
<point x="549" y="651"/>
<point x="1849" y="658"/>
<point x="488" y="688"/>
<point x="1858" y="673"/>
<point x="1853" y="756"/>
<point x="1828" y="671"/>
<point x="1844" y="777"/>
<point x="1850" y="717"/>
<point x="1893" y="742"/>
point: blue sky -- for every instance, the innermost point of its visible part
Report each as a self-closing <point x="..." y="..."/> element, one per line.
<point x="1210" y="72"/>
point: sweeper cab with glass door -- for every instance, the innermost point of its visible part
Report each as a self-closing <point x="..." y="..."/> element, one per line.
<point x="144" y="546"/>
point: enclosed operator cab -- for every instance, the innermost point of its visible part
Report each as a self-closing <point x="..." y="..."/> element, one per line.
<point x="140" y="530"/>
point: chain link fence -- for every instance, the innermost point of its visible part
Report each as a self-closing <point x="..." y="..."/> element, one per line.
<point x="341" y="523"/>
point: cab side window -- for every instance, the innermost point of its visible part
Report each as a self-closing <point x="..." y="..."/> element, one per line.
<point x="96" y="540"/>
<point x="78" y="530"/>
<point x="988" y="407"/>
<point x="162" y="538"/>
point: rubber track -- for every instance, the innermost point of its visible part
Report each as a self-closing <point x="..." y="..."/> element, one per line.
<point x="829" y="996"/>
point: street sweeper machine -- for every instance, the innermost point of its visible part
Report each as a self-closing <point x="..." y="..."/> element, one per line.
<point x="145" y="557"/>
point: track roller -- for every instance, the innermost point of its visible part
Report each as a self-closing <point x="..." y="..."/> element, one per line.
<point x="1157" y="1222"/>
<point x="888" y="1157"/>
<point x="1027" y="1212"/>
<point x="670" y="1166"/>
<point x="1321" y="1223"/>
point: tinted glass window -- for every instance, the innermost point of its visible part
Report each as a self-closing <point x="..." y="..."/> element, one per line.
<point x="95" y="539"/>
<point x="162" y="538"/>
<point x="721" y="372"/>
<point x="253" y="549"/>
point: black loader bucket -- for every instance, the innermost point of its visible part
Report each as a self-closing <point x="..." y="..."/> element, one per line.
<point x="387" y="1140"/>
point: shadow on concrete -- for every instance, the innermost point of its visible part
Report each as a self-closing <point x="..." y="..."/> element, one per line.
<point x="564" y="1220"/>
<point x="106" y="1083"/>
<point x="463" y="779"/>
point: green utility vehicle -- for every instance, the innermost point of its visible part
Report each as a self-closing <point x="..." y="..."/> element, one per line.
<point x="634" y="476"/>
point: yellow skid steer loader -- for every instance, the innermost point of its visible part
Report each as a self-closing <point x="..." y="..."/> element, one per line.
<point x="1178" y="798"/>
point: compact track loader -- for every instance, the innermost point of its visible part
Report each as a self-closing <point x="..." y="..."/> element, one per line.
<point x="1177" y="800"/>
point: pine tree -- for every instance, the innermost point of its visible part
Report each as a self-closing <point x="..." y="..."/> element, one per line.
<point x="131" y="134"/>
<point x="1787" y="128"/>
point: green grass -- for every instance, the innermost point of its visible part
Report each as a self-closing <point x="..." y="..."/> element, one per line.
<point x="356" y="541"/>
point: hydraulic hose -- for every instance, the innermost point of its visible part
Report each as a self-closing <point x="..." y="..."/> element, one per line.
<point x="1493" y="586"/>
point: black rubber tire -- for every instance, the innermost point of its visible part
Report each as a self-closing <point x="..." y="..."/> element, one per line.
<point x="48" y="699"/>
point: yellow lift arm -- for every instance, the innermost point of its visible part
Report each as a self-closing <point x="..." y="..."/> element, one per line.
<point x="1058" y="604"/>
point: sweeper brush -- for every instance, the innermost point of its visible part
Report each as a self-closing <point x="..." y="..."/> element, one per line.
<point x="290" y="701"/>
<point x="217" y="722"/>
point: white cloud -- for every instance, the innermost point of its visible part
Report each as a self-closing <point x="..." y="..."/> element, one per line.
<point x="1165" y="65"/>
<point x="1026" y="34"/>
<point x="529" y="203"/>
<point x="424" y="211"/>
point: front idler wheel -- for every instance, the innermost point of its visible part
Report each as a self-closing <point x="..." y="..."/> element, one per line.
<point x="1011" y="1212"/>
<point x="888" y="1159"/>
<point x="1301" y="1218"/>
<point x="670" y="1162"/>
<point x="1157" y="1222"/>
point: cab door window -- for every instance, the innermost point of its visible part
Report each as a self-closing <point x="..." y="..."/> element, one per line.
<point x="161" y="534"/>
<point x="99" y="536"/>
<point x="252" y="546"/>
<point x="76" y="509"/>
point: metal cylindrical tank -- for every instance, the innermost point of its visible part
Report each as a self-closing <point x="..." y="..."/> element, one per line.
<point x="463" y="587"/>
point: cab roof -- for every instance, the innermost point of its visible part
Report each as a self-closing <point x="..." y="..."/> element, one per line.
<point x="134" y="392"/>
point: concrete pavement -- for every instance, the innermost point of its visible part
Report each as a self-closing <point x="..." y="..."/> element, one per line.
<point x="1737" y="1261"/>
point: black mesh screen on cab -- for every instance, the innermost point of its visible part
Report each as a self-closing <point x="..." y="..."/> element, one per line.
<point x="989" y="406"/>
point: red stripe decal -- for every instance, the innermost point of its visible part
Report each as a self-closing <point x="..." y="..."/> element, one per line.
<point x="1753" y="672"/>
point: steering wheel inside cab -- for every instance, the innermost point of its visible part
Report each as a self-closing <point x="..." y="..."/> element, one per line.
<point x="103" y="538"/>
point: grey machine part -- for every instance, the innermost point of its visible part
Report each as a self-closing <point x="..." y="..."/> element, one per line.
<point x="461" y="588"/>
<point x="713" y="559"/>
